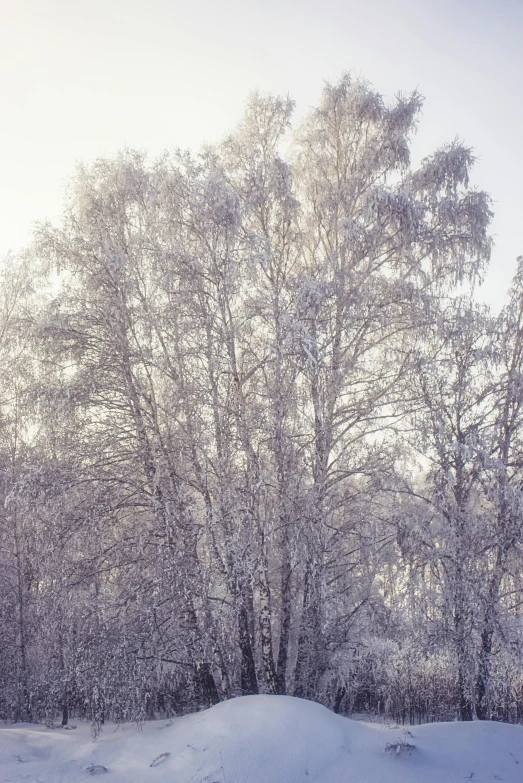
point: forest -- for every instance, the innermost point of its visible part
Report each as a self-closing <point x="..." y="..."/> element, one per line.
<point x="258" y="434"/>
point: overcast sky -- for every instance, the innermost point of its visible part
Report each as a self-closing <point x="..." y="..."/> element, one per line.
<point x="84" y="78"/>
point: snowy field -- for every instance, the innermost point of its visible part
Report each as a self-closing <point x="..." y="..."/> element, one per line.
<point x="263" y="739"/>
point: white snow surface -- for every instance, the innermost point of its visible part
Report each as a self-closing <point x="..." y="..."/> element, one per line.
<point x="263" y="739"/>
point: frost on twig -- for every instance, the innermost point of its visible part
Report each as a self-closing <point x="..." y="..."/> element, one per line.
<point x="399" y="748"/>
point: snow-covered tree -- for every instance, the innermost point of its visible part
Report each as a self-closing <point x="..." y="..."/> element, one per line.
<point x="223" y="383"/>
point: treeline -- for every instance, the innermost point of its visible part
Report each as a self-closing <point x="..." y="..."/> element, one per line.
<point x="256" y="435"/>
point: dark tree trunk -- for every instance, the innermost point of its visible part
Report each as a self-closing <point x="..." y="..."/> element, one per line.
<point x="249" y="682"/>
<point x="266" y="633"/>
<point x="283" y="648"/>
<point x="340" y="693"/>
<point x="465" y="704"/>
<point x="483" y="674"/>
<point x="309" y="659"/>
<point x="304" y="640"/>
<point x="205" y="684"/>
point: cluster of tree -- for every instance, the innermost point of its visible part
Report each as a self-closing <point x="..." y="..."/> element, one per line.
<point x="257" y="436"/>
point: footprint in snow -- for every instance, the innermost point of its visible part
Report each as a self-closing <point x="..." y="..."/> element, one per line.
<point x="97" y="769"/>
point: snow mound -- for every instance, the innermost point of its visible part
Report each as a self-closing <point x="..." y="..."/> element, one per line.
<point x="264" y="739"/>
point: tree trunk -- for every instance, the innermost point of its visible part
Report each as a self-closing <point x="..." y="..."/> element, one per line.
<point x="286" y="606"/>
<point x="483" y="674"/>
<point x="340" y="693"/>
<point x="465" y="702"/>
<point x="205" y="684"/>
<point x="248" y="680"/>
<point x="266" y="633"/>
<point x="24" y="700"/>
<point x="304" y="640"/>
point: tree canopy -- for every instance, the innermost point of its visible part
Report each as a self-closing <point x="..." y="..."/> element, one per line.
<point x="257" y="435"/>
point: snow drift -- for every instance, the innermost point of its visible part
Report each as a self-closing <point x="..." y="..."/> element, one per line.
<point x="264" y="739"/>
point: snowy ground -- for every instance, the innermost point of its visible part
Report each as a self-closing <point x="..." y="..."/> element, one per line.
<point x="263" y="739"/>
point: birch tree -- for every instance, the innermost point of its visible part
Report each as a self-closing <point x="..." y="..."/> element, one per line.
<point x="232" y="357"/>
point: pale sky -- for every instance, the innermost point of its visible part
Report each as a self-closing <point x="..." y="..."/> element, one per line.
<point x="84" y="78"/>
